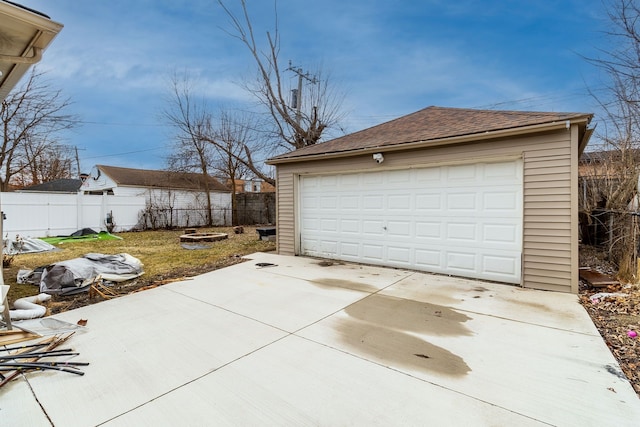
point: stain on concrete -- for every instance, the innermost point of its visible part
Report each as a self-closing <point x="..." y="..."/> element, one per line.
<point x="410" y="316"/>
<point x="332" y="283"/>
<point x="530" y="304"/>
<point x="392" y="331"/>
<point x="615" y="371"/>
<point x="399" y="350"/>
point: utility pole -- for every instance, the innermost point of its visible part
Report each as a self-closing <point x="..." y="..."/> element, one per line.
<point x="297" y="93"/>
<point x="78" y="162"/>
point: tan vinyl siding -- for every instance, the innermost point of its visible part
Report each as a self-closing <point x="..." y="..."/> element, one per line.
<point x="547" y="216"/>
<point x="285" y="213"/>
<point x="550" y="199"/>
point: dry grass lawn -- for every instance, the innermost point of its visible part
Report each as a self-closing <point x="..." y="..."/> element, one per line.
<point x="163" y="257"/>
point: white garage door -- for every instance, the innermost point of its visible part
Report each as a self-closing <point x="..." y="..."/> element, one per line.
<point x="464" y="220"/>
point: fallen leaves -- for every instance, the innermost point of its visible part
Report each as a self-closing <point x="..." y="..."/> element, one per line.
<point x="616" y="316"/>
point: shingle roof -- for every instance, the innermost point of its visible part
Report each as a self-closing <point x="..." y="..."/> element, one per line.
<point x="63" y="185"/>
<point x="161" y="179"/>
<point x="27" y="8"/>
<point x="431" y="124"/>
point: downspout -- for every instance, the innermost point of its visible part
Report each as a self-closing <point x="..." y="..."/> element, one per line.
<point x="27" y="308"/>
<point x="103" y="209"/>
<point x="5" y="309"/>
<point x="36" y="57"/>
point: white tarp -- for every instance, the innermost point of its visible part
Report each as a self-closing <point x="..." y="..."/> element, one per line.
<point x="27" y="245"/>
<point x="67" y="277"/>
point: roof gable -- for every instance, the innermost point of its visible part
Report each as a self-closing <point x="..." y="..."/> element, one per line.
<point x="160" y="179"/>
<point x="433" y="124"/>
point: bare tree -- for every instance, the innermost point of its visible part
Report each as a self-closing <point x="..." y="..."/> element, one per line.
<point x="42" y="162"/>
<point x="290" y="127"/>
<point x="232" y="134"/>
<point x="613" y="177"/>
<point x="32" y="117"/>
<point x="191" y="121"/>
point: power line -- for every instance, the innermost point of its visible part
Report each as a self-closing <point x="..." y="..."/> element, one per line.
<point x="125" y="153"/>
<point x="84" y="122"/>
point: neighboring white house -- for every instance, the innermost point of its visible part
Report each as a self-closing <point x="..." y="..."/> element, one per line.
<point x="173" y="198"/>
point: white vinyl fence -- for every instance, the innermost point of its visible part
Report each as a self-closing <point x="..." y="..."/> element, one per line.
<point x="48" y="214"/>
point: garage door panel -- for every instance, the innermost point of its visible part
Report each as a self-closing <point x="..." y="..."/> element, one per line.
<point x="349" y="203"/>
<point x="349" y="181"/>
<point x="460" y="173"/>
<point x="350" y="249"/>
<point x="309" y="202"/>
<point x="429" y="230"/>
<point x="461" y="202"/>
<point x="373" y="252"/>
<point x="310" y="225"/>
<point x="400" y="228"/>
<point x="399" y="202"/>
<point x="330" y="225"/>
<point x="460" y="262"/>
<point x="372" y="178"/>
<point x="496" y="201"/>
<point x="430" y="259"/>
<point x="350" y="226"/>
<point x="499" y="234"/>
<point x="373" y="202"/>
<point x="373" y="228"/>
<point x="309" y="182"/>
<point x="431" y="176"/>
<point x="328" y="181"/>
<point x="400" y="176"/>
<point x="429" y="202"/>
<point x="462" y="232"/>
<point x="399" y="254"/>
<point x="329" y="203"/>
<point x="328" y="247"/>
<point x="457" y="219"/>
<point x="501" y="266"/>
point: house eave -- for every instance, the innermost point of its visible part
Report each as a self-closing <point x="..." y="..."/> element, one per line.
<point x="155" y="187"/>
<point x="582" y="122"/>
<point x="27" y="35"/>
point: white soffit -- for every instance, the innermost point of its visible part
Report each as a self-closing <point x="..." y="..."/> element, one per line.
<point x="24" y="35"/>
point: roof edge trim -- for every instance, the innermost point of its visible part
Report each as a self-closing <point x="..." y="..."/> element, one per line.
<point x="502" y="133"/>
<point x="36" y="19"/>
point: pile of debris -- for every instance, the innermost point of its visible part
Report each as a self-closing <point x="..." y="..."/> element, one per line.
<point x="41" y="356"/>
<point x="77" y="275"/>
<point x="615" y="310"/>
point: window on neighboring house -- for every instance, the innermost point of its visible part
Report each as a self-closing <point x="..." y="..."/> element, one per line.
<point x="252" y="186"/>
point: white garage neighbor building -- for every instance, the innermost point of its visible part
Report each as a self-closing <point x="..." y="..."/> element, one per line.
<point x="473" y="193"/>
<point x="177" y="199"/>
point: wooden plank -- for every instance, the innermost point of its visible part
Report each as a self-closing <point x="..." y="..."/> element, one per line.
<point x="597" y="279"/>
<point x="15" y="336"/>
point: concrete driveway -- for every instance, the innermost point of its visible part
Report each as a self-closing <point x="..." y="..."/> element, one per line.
<point x="301" y="343"/>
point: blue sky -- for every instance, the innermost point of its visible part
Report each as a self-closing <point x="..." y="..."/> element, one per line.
<point x="390" y="57"/>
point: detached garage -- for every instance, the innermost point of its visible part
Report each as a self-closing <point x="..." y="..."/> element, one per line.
<point x="481" y="194"/>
